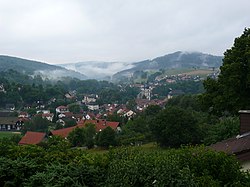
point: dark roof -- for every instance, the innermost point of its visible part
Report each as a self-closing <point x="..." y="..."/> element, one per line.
<point x="244" y="111"/>
<point x="68" y="114"/>
<point x="32" y="138"/>
<point x="5" y="114"/>
<point x="63" y="132"/>
<point x="235" y="145"/>
<point x="8" y="120"/>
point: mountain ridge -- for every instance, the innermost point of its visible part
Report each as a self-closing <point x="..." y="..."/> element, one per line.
<point x="176" y="60"/>
<point x="32" y="67"/>
<point x="110" y="70"/>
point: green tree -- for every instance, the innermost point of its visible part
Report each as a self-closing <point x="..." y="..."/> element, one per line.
<point x="152" y="110"/>
<point x="31" y="111"/>
<point x="174" y="127"/>
<point x="225" y="128"/>
<point x="54" y="143"/>
<point x="75" y="108"/>
<point x="69" y="122"/>
<point x="106" y="138"/>
<point x="139" y="125"/>
<point x="90" y="133"/>
<point x="77" y="137"/>
<point x="230" y="92"/>
<point x="118" y="118"/>
<point x="131" y="104"/>
<point x="186" y="102"/>
<point x="37" y="124"/>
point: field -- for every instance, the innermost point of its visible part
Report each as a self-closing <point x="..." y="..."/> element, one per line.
<point x="7" y="134"/>
<point x="188" y="71"/>
<point x="200" y="72"/>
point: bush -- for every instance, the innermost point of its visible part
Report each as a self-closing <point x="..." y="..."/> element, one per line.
<point x="183" y="167"/>
<point x="130" y="166"/>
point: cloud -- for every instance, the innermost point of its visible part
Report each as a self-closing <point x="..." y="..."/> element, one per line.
<point x="98" y="70"/>
<point x="62" y="31"/>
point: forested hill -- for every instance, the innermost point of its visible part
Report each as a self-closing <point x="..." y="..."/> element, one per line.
<point x="30" y="67"/>
<point x="177" y="60"/>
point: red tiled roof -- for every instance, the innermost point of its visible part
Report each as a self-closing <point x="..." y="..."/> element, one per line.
<point x="65" y="131"/>
<point x="98" y="116"/>
<point x="99" y="124"/>
<point x="102" y="124"/>
<point x="23" y="119"/>
<point x="62" y="107"/>
<point x="32" y="138"/>
<point x="68" y="114"/>
<point x="91" y="114"/>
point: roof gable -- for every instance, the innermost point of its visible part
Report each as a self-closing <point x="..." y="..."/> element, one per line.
<point x="32" y="138"/>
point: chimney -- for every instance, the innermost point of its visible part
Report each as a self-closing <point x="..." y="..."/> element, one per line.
<point x="244" y="121"/>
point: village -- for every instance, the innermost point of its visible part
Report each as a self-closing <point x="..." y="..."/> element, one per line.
<point x="93" y="113"/>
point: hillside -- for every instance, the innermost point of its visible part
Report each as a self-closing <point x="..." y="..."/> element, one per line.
<point x="30" y="67"/>
<point x="177" y="60"/>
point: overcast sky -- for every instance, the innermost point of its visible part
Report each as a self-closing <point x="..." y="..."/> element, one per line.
<point x="65" y="31"/>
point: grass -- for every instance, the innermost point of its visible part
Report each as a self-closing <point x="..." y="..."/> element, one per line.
<point x="97" y="150"/>
<point x="6" y="134"/>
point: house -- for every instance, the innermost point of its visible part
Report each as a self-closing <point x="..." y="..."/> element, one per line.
<point x="43" y="111"/>
<point x="78" y="117"/>
<point x="2" y="88"/>
<point x="63" y="132"/>
<point x="130" y="114"/>
<point x="61" y="121"/>
<point x="23" y="115"/>
<point x="20" y="123"/>
<point x="98" y="116"/>
<point x="92" y="106"/>
<point x="102" y="124"/>
<point x="66" y="115"/>
<point x="99" y="125"/>
<point x="5" y="114"/>
<point x="62" y="109"/>
<point x="144" y="103"/>
<point x="32" y="138"/>
<point x="90" y="98"/>
<point x="71" y="95"/>
<point x="145" y="93"/>
<point x="10" y="107"/>
<point x="8" y="123"/>
<point x="173" y="93"/>
<point x="48" y="116"/>
<point x="239" y="145"/>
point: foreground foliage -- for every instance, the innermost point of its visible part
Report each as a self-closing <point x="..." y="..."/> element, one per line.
<point x="55" y="164"/>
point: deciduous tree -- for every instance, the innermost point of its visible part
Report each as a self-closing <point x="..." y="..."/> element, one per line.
<point x="174" y="127"/>
<point x="231" y="91"/>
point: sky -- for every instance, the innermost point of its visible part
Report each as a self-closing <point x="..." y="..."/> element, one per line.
<point x="69" y="31"/>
